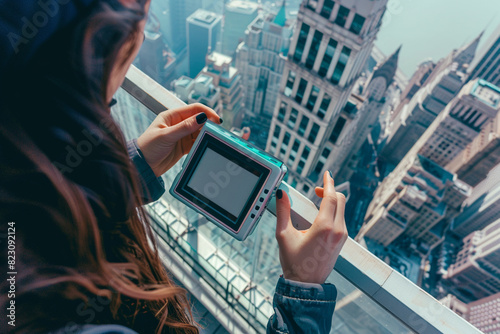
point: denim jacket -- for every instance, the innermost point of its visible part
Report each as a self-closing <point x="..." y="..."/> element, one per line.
<point x="298" y="307"/>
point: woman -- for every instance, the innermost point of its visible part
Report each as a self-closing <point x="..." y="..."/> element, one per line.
<point x="82" y="237"/>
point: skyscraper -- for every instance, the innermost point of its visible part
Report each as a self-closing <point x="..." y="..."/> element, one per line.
<point x="488" y="66"/>
<point x="443" y="83"/>
<point x="261" y="61"/>
<point x="228" y="79"/>
<point x="178" y="12"/>
<point x="238" y="15"/>
<point x="329" y="50"/>
<point x="471" y="111"/>
<point x="203" y="34"/>
<point x="476" y="271"/>
<point x="481" y="208"/>
<point x="422" y="169"/>
<point x="479" y="157"/>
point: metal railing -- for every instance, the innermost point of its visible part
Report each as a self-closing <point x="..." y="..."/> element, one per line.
<point x="405" y="301"/>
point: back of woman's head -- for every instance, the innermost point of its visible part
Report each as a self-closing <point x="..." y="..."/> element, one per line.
<point x="82" y="252"/>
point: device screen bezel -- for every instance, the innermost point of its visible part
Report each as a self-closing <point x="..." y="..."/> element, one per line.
<point x="242" y="160"/>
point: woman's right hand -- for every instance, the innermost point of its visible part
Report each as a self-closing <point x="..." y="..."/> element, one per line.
<point x="309" y="256"/>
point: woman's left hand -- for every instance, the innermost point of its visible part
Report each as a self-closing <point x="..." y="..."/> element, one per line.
<point x="172" y="134"/>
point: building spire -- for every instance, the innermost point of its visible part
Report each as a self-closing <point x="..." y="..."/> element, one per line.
<point x="280" y="18"/>
<point x="466" y="54"/>
<point x="388" y="68"/>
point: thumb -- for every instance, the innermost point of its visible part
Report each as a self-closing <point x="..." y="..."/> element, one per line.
<point x="282" y="213"/>
<point x="187" y="127"/>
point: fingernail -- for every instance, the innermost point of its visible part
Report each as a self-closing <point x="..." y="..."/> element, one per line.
<point x="331" y="175"/>
<point x="279" y="193"/>
<point x="201" y="118"/>
<point x="221" y="120"/>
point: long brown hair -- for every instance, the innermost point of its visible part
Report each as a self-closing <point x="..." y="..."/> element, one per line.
<point x="85" y="251"/>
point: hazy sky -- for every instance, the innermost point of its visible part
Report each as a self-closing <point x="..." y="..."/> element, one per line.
<point x="432" y="28"/>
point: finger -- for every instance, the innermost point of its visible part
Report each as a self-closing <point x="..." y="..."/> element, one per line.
<point x="328" y="204"/>
<point x="319" y="191"/>
<point x="186" y="127"/>
<point x="283" y="214"/>
<point x="191" y="110"/>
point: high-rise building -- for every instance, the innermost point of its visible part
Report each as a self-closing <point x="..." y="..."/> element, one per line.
<point x="476" y="271"/>
<point x="200" y="90"/>
<point x="483" y="313"/>
<point x="423" y="169"/>
<point x="238" y="14"/>
<point x="442" y="85"/>
<point x="203" y="34"/>
<point x="178" y="12"/>
<point x="481" y="208"/>
<point x="261" y="61"/>
<point x="228" y="79"/>
<point x="330" y="47"/>
<point x="479" y="157"/>
<point x="488" y="65"/>
<point x="346" y="150"/>
<point x="471" y="111"/>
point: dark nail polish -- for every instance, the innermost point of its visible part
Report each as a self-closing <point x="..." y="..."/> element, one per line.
<point x="279" y="193"/>
<point x="331" y="175"/>
<point x="112" y="103"/>
<point x="221" y="120"/>
<point x="201" y="118"/>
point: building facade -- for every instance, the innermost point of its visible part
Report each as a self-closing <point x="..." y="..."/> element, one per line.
<point x="329" y="49"/>
<point x="204" y="31"/>
<point x="476" y="271"/>
<point x="479" y="157"/>
<point x="488" y="65"/>
<point x="261" y="61"/>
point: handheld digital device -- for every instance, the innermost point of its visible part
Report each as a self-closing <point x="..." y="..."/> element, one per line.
<point x="228" y="180"/>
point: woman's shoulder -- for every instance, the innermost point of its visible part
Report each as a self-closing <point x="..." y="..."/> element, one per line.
<point x="95" y="329"/>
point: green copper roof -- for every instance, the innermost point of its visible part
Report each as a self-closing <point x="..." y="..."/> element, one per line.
<point x="280" y="18"/>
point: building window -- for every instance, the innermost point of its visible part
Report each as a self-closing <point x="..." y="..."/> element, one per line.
<point x="313" y="50"/>
<point x="303" y="125"/>
<point x="342" y="16"/>
<point x="303" y="159"/>
<point x="339" y="69"/>
<point x="327" y="9"/>
<point x="313" y="97"/>
<point x="286" y="139"/>
<point x="277" y="131"/>
<point x="293" y="118"/>
<point x="314" y="133"/>
<point x="319" y="168"/>
<point x="326" y="153"/>
<point x="357" y="24"/>
<point x="337" y="130"/>
<point x="300" y="91"/>
<point x="282" y="112"/>
<point x="324" y="106"/>
<point x="312" y="4"/>
<point x="301" y="42"/>
<point x="327" y="58"/>
<point x="289" y="83"/>
<point x="306" y="188"/>
<point x="295" y="149"/>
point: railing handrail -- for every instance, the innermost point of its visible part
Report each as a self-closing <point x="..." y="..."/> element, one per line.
<point x="399" y="296"/>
